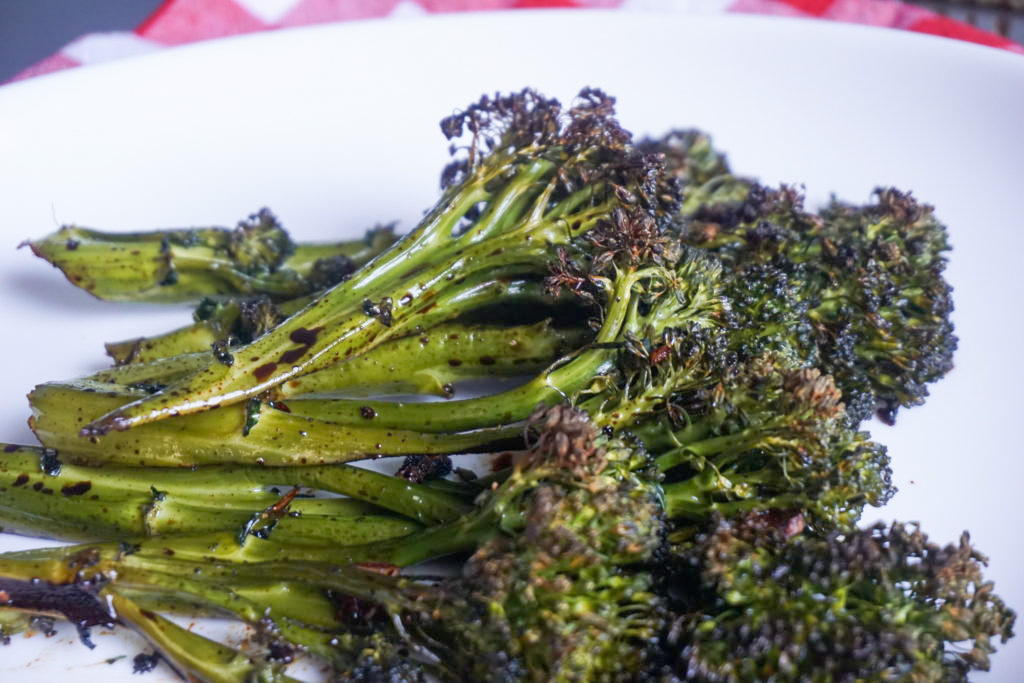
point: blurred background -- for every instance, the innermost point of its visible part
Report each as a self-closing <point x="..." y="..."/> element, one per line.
<point x="31" y="30"/>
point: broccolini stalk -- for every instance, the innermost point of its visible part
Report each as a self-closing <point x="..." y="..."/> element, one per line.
<point x="148" y="501"/>
<point x="873" y="604"/>
<point x="535" y="179"/>
<point x="637" y="303"/>
<point x="557" y="592"/>
<point x="254" y="433"/>
<point x="431" y="363"/>
<point x="92" y="584"/>
<point x="191" y="655"/>
<point x="427" y="363"/>
<point x="257" y="257"/>
<point x="46" y="497"/>
<point x="234" y="322"/>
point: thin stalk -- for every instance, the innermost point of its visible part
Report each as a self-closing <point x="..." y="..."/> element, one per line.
<point x="426" y="363"/>
<point x="242" y="433"/>
<point x="258" y="257"/>
<point x="212" y="324"/>
<point x="193" y="656"/>
<point x="505" y="408"/>
<point x="141" y="501"/>
<point x="430" y="363"/>
<point x="412" y="279"/>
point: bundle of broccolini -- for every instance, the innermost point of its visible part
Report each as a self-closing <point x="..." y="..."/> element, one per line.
<point x="674" y="483"/>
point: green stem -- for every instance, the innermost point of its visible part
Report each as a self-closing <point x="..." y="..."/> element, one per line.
<point x="430" y="363"/>
<point x="214" y="322"/>
<point x="413" y="278"/>
<point x="111" y="501"/>
<point x="274" y="437"/>
<point x="706" y="449"/>
<point x="183" y="265"/>
<point x="504" y="408"/>
<point x="190" y="654"/>
<point x="493" y="411"/>
<point x="427" y="363"/>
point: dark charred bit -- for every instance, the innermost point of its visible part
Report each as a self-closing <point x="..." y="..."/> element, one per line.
<point x="454" y="362"/>
<point x="21" y="480"/>
<point x="71" y="244"/>
<point x="44" y="625"/>
<point x="421" y="468"/>
<point x="10" y="448"/>
<point x="632" y="236"/>
<point x="49" y="463"/>
<point x="125" y="549"/>
<point x="148" y="387"/>
<point x="784" y="523"/>
<point x="487" y="360"/>
<point x="264" y="371"/>
<point x="465" y="474"/>
<point x="300" y="336"/>
<point x="221" y="353"/>
<point x="78" y="489"/>
<point x="357" y="613"/>
<point x="78" y="605"/>
<point x="502" y="461"/>
<point x="454" y="173"/>
<point x="367" y="413"/>
<point x="144" y="663"/>
<point x="448" y="389"/>
<point x="887" y="413"/>
<point x="329" y="271"/>
<point x="304" y="336"/>
<point x="565" y="273"/>
<point x="292" y="355"/>
<point x="171" y="278"/>
<point x="381" y="311"/>
<point x="280" y="652"/>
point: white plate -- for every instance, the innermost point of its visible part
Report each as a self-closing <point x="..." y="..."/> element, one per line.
<point x="335" y="127"/>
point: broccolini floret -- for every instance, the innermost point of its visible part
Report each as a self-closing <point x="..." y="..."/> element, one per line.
<point x="754" y="603"/>
<point x="868" y="280"/>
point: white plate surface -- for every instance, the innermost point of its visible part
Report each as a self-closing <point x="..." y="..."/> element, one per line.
<point x="335" y="128"/>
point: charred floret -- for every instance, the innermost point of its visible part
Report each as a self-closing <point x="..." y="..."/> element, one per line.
<point x="878" y="603"/>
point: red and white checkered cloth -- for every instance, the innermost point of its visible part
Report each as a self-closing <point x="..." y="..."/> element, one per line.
<point x="184" y="21"/>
